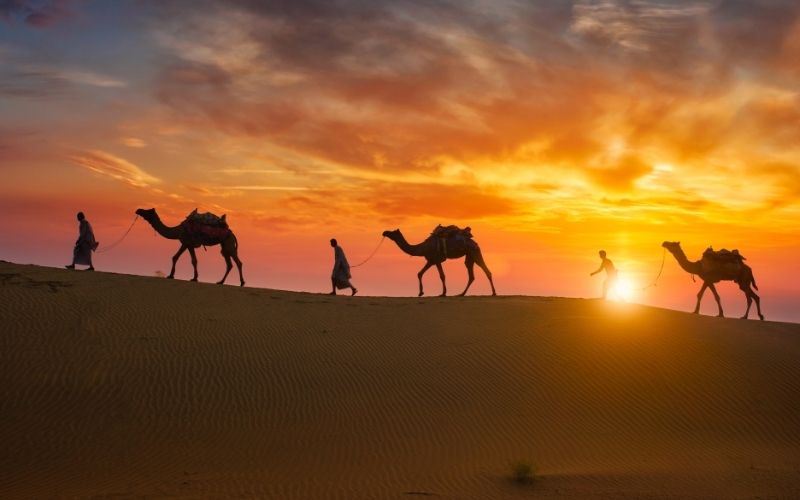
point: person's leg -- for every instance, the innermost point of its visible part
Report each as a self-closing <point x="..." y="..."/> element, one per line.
<point x="605" y="289"/>
<point x="74" y="256"/>
<point x="91" y="266"/>
<point x="333" y="285"/>
<point x="354" y="291"/>
<point x="612" y="285"/>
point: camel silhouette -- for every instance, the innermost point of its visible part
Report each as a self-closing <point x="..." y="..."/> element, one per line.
<point x="434" y="254"/>
<point x="712" y="272"/>
<point x="194" y="239"/>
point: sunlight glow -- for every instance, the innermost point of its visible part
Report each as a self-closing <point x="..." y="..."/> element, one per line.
<point x="622" y="291"/>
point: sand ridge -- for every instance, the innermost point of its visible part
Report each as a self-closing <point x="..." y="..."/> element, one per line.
<point x="115" y="385"/>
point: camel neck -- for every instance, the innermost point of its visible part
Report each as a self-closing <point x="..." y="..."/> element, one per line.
<point x="405" y="246"/>
<point x="172" y="233"/>
<point x="685" y="263"/>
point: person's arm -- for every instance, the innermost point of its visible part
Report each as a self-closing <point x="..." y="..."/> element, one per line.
<point x="598" y="270"/>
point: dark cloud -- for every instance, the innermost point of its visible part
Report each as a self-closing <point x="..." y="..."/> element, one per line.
<point x="32" y="83"/>
<point x="38" y="14"/>
<point x="753" y="31"/>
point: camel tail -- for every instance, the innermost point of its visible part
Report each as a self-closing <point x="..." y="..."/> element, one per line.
<point x="753" y="281"/>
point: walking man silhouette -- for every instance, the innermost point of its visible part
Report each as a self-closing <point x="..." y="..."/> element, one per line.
<point x="340" y="276"/>
<point x="611" y="273"/>
<point x="85" y="245"/>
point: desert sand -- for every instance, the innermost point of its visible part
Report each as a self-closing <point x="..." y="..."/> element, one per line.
<point x="120" y="386"/>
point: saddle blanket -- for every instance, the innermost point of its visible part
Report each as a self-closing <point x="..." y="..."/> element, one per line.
<point x="205" y="231"/>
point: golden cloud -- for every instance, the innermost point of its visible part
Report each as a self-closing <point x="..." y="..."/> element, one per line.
<point x="114" y="167"/>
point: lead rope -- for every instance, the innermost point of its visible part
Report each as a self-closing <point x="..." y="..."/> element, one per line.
<point x="370" y="255"/>
<point x="655" y="281"/>
<point x="120" y="240"/>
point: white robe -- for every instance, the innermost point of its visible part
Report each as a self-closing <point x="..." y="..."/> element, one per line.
<point x="85" y="245"/>
<point x="341" y="269"/>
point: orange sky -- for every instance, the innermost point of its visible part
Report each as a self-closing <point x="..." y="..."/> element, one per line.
<point x="553" y="129"/>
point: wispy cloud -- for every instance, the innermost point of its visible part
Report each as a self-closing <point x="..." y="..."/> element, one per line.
<point x="265" y="188"/>
<point x="133" y="142"/>
<point x="27" y="80"/>
<point x="114" y="167"/>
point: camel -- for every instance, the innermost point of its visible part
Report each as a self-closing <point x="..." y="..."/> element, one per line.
<point x="711" y="272"/>
<point x="190" y="241"/>
<point x="434" y="255"/>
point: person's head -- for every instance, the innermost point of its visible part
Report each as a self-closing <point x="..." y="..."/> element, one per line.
<point x="602" y="254"/>
<point x="333" y="242"/>
<point x="81" y="216"/>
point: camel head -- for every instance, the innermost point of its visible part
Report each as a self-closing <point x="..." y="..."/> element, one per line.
<point x="147" y="214"/>
<point x="392" y="235"/>
<point x="672" y="246"/>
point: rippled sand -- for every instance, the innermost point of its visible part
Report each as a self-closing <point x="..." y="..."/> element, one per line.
<point x="124" y="386"/>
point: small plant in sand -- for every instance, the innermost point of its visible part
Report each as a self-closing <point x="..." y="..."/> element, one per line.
<point x="522" y="472"/>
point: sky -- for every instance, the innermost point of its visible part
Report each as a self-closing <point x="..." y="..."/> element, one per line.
<point x="552" y="129"/>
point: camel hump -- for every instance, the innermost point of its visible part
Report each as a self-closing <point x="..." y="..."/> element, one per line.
<point x="451" y="231"/>
<point x="207" y="219"/>
<point x="723" y="255"/>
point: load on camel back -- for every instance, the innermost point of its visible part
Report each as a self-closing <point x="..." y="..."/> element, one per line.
<point x="727" y="264"/>
<point x="453" y="237"/>
<point x="206" y="226"/>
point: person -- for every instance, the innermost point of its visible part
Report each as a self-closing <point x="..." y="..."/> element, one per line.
<point x="611" y="273"/>
<point x="86" y="244"/>
<point x="340" y="276"/>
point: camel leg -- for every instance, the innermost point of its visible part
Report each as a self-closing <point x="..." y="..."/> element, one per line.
<point x="230" y="250"/>
<point x="420" y="274"/>
<point x="752" y="296"/>
<point x="194" y="262"/>
<point x="482" y="264"/>
<point x="716" y="297"/>
<point x="175" y="261"/>
<point x="238" y="262"/>
<point x="746" y="290"/>
<point x="470" y="263"/>
<point x="700" y="297"/>
<point x="228" y="267"/>
<point x="758" y="305"/>
<point x="441" y="276"/>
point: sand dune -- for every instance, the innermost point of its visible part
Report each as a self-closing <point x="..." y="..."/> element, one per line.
<point x="123" y="386"/>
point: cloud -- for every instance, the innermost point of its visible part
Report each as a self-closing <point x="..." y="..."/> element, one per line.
<point x="454" y="203"/>
<point x="653" y="29"/>
<point x="451" y="92"/>
<point x="133" y="142"/>
<point x="263" y="187"/>
<point x="112" y="166"/>
<point x="89" y="78"/>
<point x="38" y="14"/>
<point x="753" y="32"/>
<point x="621" y="175"/>
<point x="35" y="81"/>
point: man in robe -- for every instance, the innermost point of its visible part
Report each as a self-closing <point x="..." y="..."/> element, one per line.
<point x="340" y="276"/>
<point x="86" y="244"/>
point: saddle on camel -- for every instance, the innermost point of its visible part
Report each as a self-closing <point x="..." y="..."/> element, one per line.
<point x="452" y="234"/>
<point x="728" y="264"/>
<point x="206" y="226"/>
